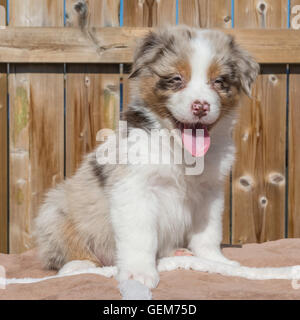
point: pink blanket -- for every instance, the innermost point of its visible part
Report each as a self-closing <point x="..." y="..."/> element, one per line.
<point x="179" y="284"/>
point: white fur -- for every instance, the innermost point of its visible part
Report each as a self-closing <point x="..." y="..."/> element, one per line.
<point x="150" y="210"/>
<point x="134" y="290"/>
<point x="170" y="209"/>
<point x="198" y="88"/>
<point x="156" y="208"/>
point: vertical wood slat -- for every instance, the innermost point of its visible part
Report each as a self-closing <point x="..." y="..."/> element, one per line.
<point x="92" y="92"/>
<point x="104" y="13"/>
<point x="294" y="153"/>
<point x="259" y="173"/>
<point x="210" y="14"/>
<point x="205" y="13"/>
<point x="261" y="13"/>
<point x="3" y="145"/>
<point x="3" y="160"/>
<point x="2" y="12"/>
<point x="93" y="101"/>
<point x="36" y="125"/>
<point x="29" y="13"/>
<point x="149" y="13"/>
<point x="258" y="200"/>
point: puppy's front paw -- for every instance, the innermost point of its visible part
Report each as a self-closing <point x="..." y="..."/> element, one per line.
<point x="146" y="275"/>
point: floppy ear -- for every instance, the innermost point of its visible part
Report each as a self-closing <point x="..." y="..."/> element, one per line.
<point x="246" y="67"/>
<point x="145" y="52"/>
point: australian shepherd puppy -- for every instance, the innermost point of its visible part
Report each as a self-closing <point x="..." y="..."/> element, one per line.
<point x="130" y="215"/>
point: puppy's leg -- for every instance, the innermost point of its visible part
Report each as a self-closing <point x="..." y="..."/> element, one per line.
<point x="205" y="241"/>
<point x="133" y="215"/>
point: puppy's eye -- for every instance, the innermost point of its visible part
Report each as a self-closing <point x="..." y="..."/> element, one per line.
<point x="219" y="81"/>
<point x="176" y="79"/>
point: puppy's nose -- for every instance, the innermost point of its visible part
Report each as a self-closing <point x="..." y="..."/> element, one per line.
<point x="200" y="108"/>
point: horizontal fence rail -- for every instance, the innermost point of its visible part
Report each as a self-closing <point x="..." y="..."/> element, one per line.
<point x="115" y="45"/>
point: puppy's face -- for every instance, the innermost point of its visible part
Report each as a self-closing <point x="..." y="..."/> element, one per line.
<point x="191" y="76"/>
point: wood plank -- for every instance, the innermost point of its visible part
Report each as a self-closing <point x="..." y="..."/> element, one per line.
<point x="3" y="145"/>
<point x="205" y="13"/>
<point x="149" y="13"/>
<point x="115" y="45"/>
<point x="3" y="160"/>
<point x="259" y="174"/>
<point x="2" y="12"/>
<point x="261" y="14"/>
<point x="103" y="14"/>
<point x="36" y="126"/>
<point x="126" y="91"/>
<point x="44" y="13"/>
<point x="258" y="212"/>
<point x="93" y="102"/>
<point x="210" y="14"/>
<point x="36" y="144"/>
<point x="294" y="154"/>
<point x="92" y="91"/>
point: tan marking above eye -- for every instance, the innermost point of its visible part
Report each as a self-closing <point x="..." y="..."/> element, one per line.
<point x="184" y="69"/>
<point x="214" y="71"/>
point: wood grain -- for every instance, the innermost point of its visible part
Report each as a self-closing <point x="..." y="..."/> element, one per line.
<point x="259" y="174"/>
<point x="149" y="13"/>
<point x="36" y="126"/>
<point x="126" y="91"/>
<point x="3" y="160"/>
<point x="104" y="13"/>
<point x="261" y="13"/>
<point x="93" y="102"/>
<point x="294" y="153"/>
<point x="2" y="12"/>
<point x="44" y="13"/>
<point x="205" y="13"/>
<point x="115" y="45"/>
<point x="36" y="144"/>
<point x="92" y="91"/>
<point x="3" y="145"/>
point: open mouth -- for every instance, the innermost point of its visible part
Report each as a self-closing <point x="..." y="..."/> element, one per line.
<point x="196" y="143"/>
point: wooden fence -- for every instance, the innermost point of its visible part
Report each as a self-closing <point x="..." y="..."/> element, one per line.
<point x="59" y="85"/>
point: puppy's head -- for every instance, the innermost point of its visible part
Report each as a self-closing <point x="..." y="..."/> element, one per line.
<point x="191" y="76"/>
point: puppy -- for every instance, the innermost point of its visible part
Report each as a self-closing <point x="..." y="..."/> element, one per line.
<point x="130" y="215"/>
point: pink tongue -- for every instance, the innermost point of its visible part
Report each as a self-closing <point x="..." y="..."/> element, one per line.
<point x="193" y="142"/>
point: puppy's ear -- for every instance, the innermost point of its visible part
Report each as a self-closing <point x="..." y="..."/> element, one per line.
<point x="145" y="52"/>
<point x="246" y="66"/>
